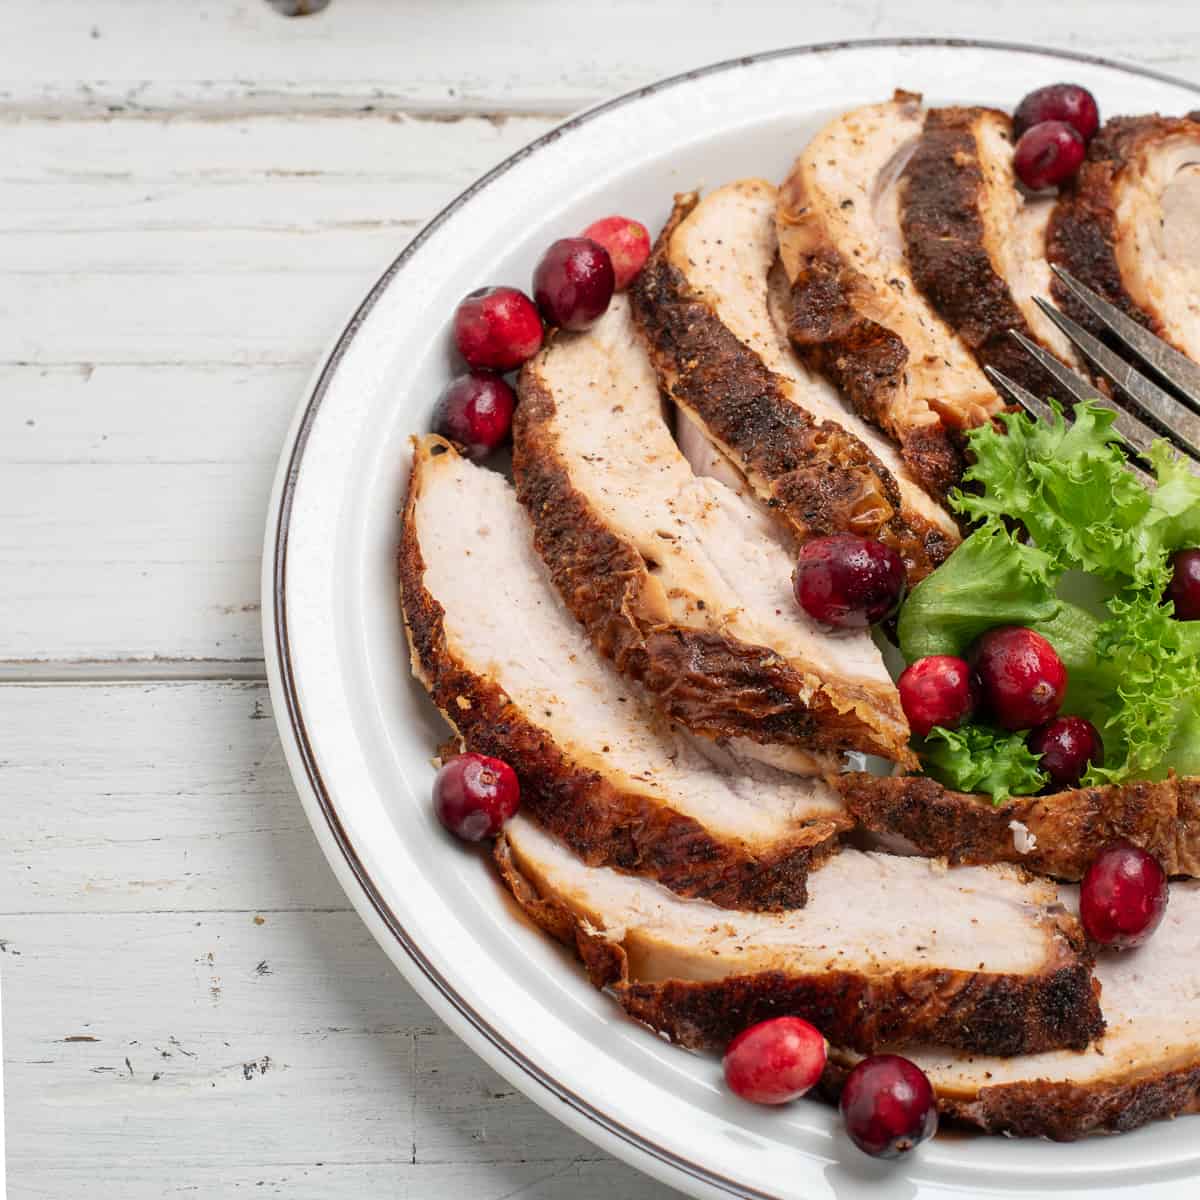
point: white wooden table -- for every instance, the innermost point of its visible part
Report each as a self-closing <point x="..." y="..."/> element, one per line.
<point x="192" y="198"/>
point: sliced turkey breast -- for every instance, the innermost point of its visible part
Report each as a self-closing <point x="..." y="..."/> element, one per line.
<point x="1129" y="226"/>
<point x="1145" y="1067"/>
<point x="516" y="678"/>
<point x="701" y="303"/>
<point x="1056" y="835"/>
<point x="857" y="316"/>
<point x="976" y="244"/>
<point x="889" y="950"/>
<point x="672" y="574"/>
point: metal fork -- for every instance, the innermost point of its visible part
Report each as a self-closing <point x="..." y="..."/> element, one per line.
<point x="1145" y="410"/>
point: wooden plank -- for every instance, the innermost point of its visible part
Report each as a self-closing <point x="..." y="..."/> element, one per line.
<point x="580" y="1179"/>
<point x="235" y="55"/>
<point x="226" y="255"/>
<point x="190" y="1003"/>
<point x="173" y="797"/>
<point x="138" y="437"/>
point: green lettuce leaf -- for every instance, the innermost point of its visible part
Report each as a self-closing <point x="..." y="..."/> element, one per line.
<point x="1069" y="486"/>
<point x="1090" y="579"/>
<point x="1152" y="666"/>
<point x="1176" y="506"/>
<point x="991" y="579"/>
<point x="979" y="759"/>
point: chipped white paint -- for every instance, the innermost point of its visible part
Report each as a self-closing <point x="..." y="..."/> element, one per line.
<point x="192" y="197"/>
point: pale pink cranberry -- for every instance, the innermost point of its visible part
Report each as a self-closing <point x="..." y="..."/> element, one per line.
<point x="627" y="243"/>
<point x="775" y="1061"/>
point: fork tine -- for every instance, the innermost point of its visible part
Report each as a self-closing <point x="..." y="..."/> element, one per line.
<point x="1177" y="369"/>
<point x="1039" y="410"/>
<point x="1138" y="434"/>
<point x="1181" y="425"/>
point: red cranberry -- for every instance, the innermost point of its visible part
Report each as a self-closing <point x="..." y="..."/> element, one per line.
<point x="1022" y="678"/>
<point x="1067" y="745"/>
<point x="627" y="243"/>
<point x="1048" y="154"/>
<point x="474" y="795"/>
<point x="848" y="581"/>
<point x="1123" y="896"/>
<point x="475" y="413"/>
<point x="574" y="282"/>
<point x="887" y="1104"/>
<point x="1058" y="102"/>
<point x="1184" y="589"/>
<point x="775" y="1061"/>
<point x="497" y="328"/>
<point x="938" y="690"/>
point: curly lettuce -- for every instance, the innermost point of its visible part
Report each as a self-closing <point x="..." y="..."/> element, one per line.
<point x="1087" y="571"/>
<point x="979" y="759"/>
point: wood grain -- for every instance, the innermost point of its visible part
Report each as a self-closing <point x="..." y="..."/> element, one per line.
<point x="490" y="55"/>
<point x="138" y="437"/>
<point x="192" y="197"/>
<point x="192" y="1007"/>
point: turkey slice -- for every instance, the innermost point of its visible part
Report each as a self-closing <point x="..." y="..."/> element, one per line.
<point x="673" y="575"/>
<point x="702" y="305"/>
<point x="888" y="951"/>
<point x="857" y="315"/>
<point x="516" y="678"/>
<point x="976" y="243"/>
<point x="1129" y="226"/>
<point x="1145" y="1067"/>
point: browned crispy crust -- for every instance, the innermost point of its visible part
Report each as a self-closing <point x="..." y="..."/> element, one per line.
<point x="707" y="681"/>
<point x="977" y="1012"/>
<point x="1069" y="828"/>
<point x="866" y="362"/>
<point x="815" y="475"/>
<point x="1083" y="228"/>
<point x="1062" y="1112"/>
<point x="602" y="822"/>
<point x="942" y="191"/>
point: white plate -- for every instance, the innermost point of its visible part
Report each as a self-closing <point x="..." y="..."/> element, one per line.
<point x="359" y="734"/>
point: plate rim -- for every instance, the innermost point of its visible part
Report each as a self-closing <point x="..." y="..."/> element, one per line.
<point x="280" y="670"/>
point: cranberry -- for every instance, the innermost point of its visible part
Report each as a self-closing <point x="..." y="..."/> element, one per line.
<point x="887" y="1104"/>
<point x="627" y="243"/>
<point x="1048" y="154"/>
<point x="474" y="795"/>
<point x="497" y="328"/>
<point x="1067" y="745"/>
<point x="574" y="282"/>
<point x="1184" y="589"/>
<point x="938" y="690"/>
<point x="475" y="413"/>
<point x="1058" y="102"/>
<point x="1123" y="896"/>
<point x="848" y="581"/>
<point x="1023" y="679"/>
<point x="775" y="1061"/>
